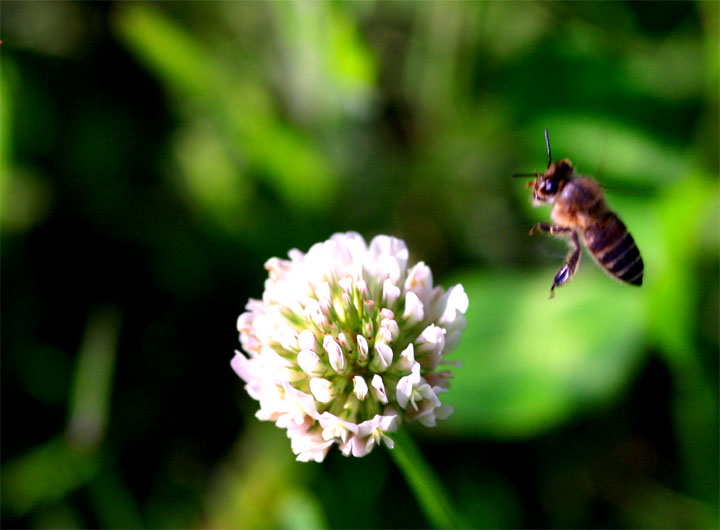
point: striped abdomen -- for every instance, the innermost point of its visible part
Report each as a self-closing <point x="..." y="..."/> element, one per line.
<point x="614" y="249"/>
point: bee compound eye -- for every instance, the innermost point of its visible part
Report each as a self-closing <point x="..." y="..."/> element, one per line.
<point x="550" y="186"/>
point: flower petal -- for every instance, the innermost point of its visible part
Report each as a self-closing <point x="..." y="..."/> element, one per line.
<point x="335" y="427"/>
<point x="306" y="340"/>
<point x="335" y="354"/>
<point x="310" y="362"/>
<point x="362" y="348"/>
<point x="414" y="311"/>
<point x="406" y="361"/>
<point x="391" y="292"/>
<point x="321" y="389"/>
<point x="360" y="388"/>
<point x="378" y="388"/>
<point x="383" y="357"/>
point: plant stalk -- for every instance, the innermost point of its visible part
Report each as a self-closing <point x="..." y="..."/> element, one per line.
<point x="424" y="483"/>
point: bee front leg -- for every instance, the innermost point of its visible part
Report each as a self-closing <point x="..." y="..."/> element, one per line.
<point x="567" y="271"/>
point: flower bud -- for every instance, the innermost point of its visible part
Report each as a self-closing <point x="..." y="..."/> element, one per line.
<point x="391" y="292"/>
<point x="335" y="354"/>
<point x="310" y="363"/>
<point x="383" y="357"/>
<point x="363" y="349"/>
<point x="360" y="388"/>
<point x="379" y="388"/>
<point x="321" y="389"/>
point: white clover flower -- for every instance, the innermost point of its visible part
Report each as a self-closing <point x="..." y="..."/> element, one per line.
<point x="345" y="343"/>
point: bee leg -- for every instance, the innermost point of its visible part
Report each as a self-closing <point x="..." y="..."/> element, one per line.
<point x="567" y="271"/>
<point x="550" y="229"/>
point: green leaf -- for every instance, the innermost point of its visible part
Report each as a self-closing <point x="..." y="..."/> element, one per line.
<point x="530" y="363"/>
<point x="46" y="473"/>
<point x="167" y="49"/>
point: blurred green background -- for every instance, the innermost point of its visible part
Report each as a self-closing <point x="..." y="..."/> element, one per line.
<point x="153" y="156"/>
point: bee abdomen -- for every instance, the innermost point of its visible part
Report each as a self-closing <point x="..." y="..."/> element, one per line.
<point x="615" y="250"/>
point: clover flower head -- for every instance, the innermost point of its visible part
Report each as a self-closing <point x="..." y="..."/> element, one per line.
<point x="346" y="344"/>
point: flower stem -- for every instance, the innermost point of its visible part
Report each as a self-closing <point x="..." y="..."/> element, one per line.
<point x="429" y="491"/>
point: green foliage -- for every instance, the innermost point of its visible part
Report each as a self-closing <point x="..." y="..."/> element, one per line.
<point x="47" y="473"/>
<point x="153" y="156"/>
<point x="529" y="364"/>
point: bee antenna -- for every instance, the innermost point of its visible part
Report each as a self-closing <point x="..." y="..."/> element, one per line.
<point x="547" y="144"/>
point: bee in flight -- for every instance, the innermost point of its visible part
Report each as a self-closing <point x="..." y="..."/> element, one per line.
<point x="579" y="211"/>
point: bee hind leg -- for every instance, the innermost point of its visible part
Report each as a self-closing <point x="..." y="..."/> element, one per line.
<point x="567" y="271"/>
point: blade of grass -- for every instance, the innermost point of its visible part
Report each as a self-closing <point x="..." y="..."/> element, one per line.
<point x="92" y="381"/>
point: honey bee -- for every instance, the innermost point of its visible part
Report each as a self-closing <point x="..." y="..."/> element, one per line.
<point x="579" y="211"/>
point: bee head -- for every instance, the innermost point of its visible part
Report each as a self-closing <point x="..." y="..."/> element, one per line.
<point x="551" y="182"/>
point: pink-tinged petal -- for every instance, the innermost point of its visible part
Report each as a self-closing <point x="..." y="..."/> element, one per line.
<point x="353" y="247"/>
<point x="403" y="390"/>
<point x="439" y="379"/>
<point x="378" y="388"/>
<point x="306" y="340"/>
<point x="309" y="446"/>
<point x="299" y="404"/>
<point x="383" y="336"/>
<point x="369" y="306"/>
<point x="346" y="284"/>
<point x="420" y="281"/>
<point x="406" y="360"/>
<point x="354" y="446"/>
<point x="452" y="304"/>
<point x="245" y="322"/>
<point x="414" y="309"/>
<point x="455" y="331"/>
<point x="310" y="362"/>
<point x="387" y="258"/>
<point x="383" y="357"/>
<point x="443" y="412"/>
<point x="391" y="326"/>
<point x="346" y="447"/>
<point x="344" y="342"/>
<point x="373" y="431"/>
<point x="405" y="386"/>
<point x="389" y="442"/>
<point x="240" y="364"/>
<point x="335" y="354"/>
<point x="359" y="448"/>
<point x="362" y="288"/>
<point x="391" y="292"/>
<point x="321" y="389"/>
<point x="322" y="292"/>
<point x="429" y="347"/>
<point x="335" y="427"/>
<point x="386" y="423"/>
<point x="360" y="388"/>
<point x="427" y="420"/>
<point x="362" y="348"/>
<point x="368" y="329"/>
<point x="431" y="340"/>
<point x="427" y="404"/>
<point x="386" y="313"/>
